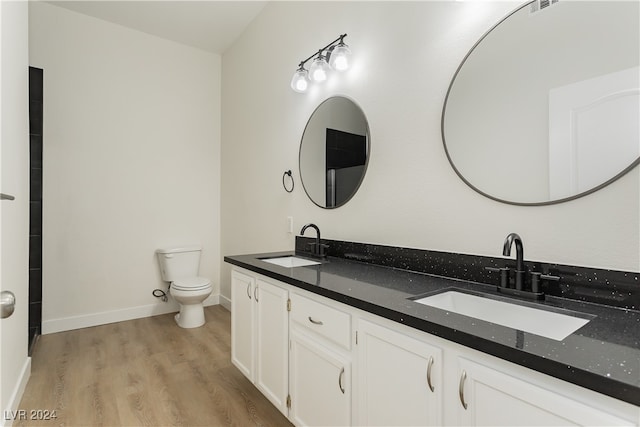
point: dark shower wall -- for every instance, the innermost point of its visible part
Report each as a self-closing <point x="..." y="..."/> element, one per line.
<point x="35" y="219"/>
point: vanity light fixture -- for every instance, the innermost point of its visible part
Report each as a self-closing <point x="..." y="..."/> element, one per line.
<point x="320" y="69"/>
<point x="300" y="80"/>
<point x="334" y="56"/>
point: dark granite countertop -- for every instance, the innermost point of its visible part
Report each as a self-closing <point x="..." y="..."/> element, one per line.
<point x="603" y="355"/>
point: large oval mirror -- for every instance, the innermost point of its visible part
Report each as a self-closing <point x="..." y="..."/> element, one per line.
<point x="334" y="152"/>
<point x="545" y="107"/>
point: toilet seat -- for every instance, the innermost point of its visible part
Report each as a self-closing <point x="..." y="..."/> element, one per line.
<point x="191" y="284"/>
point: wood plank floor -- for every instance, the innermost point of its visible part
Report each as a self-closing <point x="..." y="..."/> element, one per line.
<point x="144" y="372"/>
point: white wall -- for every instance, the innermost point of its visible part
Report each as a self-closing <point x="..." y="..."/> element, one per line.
<point x="131" y="164"/>
<point x="405" y="54"/>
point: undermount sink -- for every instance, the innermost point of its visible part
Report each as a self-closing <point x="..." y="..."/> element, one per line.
<point x="290" y="261"/>
<point x="548" y="324"/>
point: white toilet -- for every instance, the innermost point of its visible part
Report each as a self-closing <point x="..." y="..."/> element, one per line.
<point x="180" y="267"/>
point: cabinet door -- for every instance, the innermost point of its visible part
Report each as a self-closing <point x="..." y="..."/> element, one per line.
<point x="495" y="398"/>
<point x="272" y="372"/>
<point x="399" y="379"/>
<point x="320" y="383"/>
<point x="242" y="323"/>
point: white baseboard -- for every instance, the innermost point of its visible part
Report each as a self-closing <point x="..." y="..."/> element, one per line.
<point x="105" y="317"/>
<point x="212" y="300"/>
<point x="225" y="302"/>
<point x="10" y="413"/>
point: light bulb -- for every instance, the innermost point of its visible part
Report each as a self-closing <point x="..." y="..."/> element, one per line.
<point x="340" y="56"/>
<point x="300" y="80"/>
<point x="319" y="70"/>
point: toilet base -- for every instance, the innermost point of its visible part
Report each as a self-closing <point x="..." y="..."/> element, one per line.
<point x="190" y="316"/>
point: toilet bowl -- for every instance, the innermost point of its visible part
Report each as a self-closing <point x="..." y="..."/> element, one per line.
<point x="179" y="266"/>
<point x="190" y="293"/>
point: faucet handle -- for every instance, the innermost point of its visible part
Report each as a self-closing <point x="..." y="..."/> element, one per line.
<point x="313" y="248"/>
<point x="322" y="249"/>
<point x="504" y="275"/>
<point x="318" y="249"/>
<point x="536" y="277"/>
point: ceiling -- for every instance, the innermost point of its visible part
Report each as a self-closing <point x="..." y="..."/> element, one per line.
<point x="211" y="25"/>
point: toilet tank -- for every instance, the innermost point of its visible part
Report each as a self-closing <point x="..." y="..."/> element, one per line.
<point x="179" y="262"/>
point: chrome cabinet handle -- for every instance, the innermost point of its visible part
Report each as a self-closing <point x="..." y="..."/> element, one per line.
<point x="255" y="293"/>
<point x="6" y="197"/>
<point x="249" y="290"/>
<point x="340" y="380"/>
<point x="7" y="304"/>
<point x="429" y="366"/>
<point x="463" y="377"/>
<point x="315" y="322"/>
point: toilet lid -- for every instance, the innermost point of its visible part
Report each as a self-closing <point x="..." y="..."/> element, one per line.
<point x="191" y="284"/>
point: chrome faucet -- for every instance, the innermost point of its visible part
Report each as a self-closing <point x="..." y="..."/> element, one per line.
<point x="317" y="248"/>
<point x="506" y="251"/>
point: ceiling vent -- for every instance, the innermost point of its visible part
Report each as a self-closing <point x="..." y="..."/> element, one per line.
<point x="539" y="5"/>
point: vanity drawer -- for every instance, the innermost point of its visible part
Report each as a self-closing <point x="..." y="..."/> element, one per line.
<point x="329" y="322"/>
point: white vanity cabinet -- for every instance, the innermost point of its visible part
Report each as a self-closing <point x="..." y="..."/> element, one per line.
<point x="320" y="364"/>
<point x="487" y="395"/>
<point x="259" y="335"/>
<point x="393" y="386"/>
<point x="399" y="378"/>
<point x="324" y="363"/>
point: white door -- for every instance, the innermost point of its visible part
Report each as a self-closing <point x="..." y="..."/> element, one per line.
<point x="594" y="131"/>
<point x="320" y="383"/>
<point x="494" y="398"/>
<point x="243" y="323"/>
<point x="14" y="214"/>
<point x="272" y="373"/>
<point x="399" y="379"/>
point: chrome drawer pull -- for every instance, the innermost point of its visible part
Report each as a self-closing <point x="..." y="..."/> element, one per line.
<point x="340" y="380"/>
<point x="463" y="377"/>
<point x="315" y="322"/>
<point x="248" y="290"/>
<point x="429" y="366"/>
<point x="255" y="293"/>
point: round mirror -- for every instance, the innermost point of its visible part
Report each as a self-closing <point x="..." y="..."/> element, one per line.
<point x="545" y="107"/>
<point x="334" y="152"/>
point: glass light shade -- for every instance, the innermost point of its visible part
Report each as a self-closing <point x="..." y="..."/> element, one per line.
<point x="340" y="57"/>
<point x="300" y="80"/>
<point x="319" y="70"/>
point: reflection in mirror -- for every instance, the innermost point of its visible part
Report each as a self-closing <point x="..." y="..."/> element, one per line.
<point x="545" y="107"/>
<point x="333" y="152"/>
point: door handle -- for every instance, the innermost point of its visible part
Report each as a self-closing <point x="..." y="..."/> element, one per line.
<point x="6" y="197"/>
<point x="429" y="366"/>
<point x="315" y="322"/>
<point x="463" y="377"/>
<point x="8" y="303"/>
